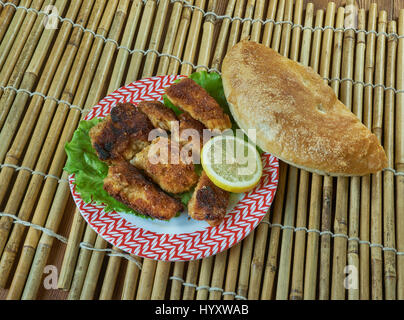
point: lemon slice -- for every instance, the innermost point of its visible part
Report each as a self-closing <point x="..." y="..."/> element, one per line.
<point x="232" y="164"/>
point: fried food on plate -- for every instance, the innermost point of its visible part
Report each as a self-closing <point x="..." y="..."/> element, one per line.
<point x="122" y="134"/>
<point x="160" y="116"/>
<point x="162" y="162"/>
<point x="126" y="184"/>
<point x="297" y="117"/>
<point x="192" y="98"/>
<point x="209" y="202"/>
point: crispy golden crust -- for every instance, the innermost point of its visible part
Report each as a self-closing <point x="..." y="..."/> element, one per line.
<point x="126" y="184"/>
<point x="208" y="203"/>
<point x="158" y="113"/>
<point x="298" y="117"/>
<point x="172" y="174"/>
<point x="192" y="98"/>
<point x="122" y="134"/>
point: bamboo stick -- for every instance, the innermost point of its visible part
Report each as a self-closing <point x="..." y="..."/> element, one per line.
<point x="170" y="38"/>
<point x="108" y="285"/>
<point x="236" y="24"/>
<point x="82" y="265"/>
<point x="389" y="232"/>
<point x="191" y="46"/>
<point x="277" y="213"/>
<point x="296" y="292"/>
<point x="191" y="276"/>
<point x="131" y="280"/>
<point x="223" y="35"/>
<point x="176" y="284"/>
<point x="155" y="37"/>
<point x="399" y="160"/>
<point x="219" y="270"/>
<point x="127" y="40"/>
<point x="278" y="28"/>
<point x="282" y="288"/>
<point x="257" y="25"/>
<point x="180" y="39"/>
<point x="354" y="204"/>
<point x="160" y="280"/>
<point x="311" y="265"/>
<point x="12" y="31"/>
<point x="141" y="40"/>
<point x="249" y="14"/>
<point x="32" y="191"/>
<point x="376" y="201"/>
<point x="269" y="27"/>
<point x="204" y="278"/>
<point x="325" y="241"/>
<point x="365" y="185"/>
<point x="93" y="270"/>
<point x="71" y="253"/>
<point x="6" y="15"/>
<point x="145" y="286"/>
<point x="16" y="62"/>
<point x="78" y="225"/>
<point x="342" y="192"/>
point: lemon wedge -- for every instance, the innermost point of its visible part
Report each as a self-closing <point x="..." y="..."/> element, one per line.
<point x="232" y="163"/>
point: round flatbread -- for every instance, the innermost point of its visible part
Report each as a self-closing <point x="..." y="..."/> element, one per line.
<point x="296" y="115"/>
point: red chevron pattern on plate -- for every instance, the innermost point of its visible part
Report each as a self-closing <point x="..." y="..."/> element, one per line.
<point x="175" y="246"/>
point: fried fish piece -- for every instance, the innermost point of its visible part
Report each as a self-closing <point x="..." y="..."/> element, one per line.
<point x="192" y="98"/>
<point x="208" y="203"/>
<point x="160" y="115"/>
<point x="163" y="163"/>
<point x="126" y="184"/>
<point x="122" y="134"/>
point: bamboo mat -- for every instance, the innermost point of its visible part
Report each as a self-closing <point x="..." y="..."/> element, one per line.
<point x="323" y="238"/>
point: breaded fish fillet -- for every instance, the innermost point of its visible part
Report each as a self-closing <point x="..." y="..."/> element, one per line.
<point x="162" y="162"/>
<point x="126" y="184"/>
<point x="160" y="115"/>
<point x="208" y="203"/>
<point x="122" y="134"/>
<point x="192" y="98"/>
